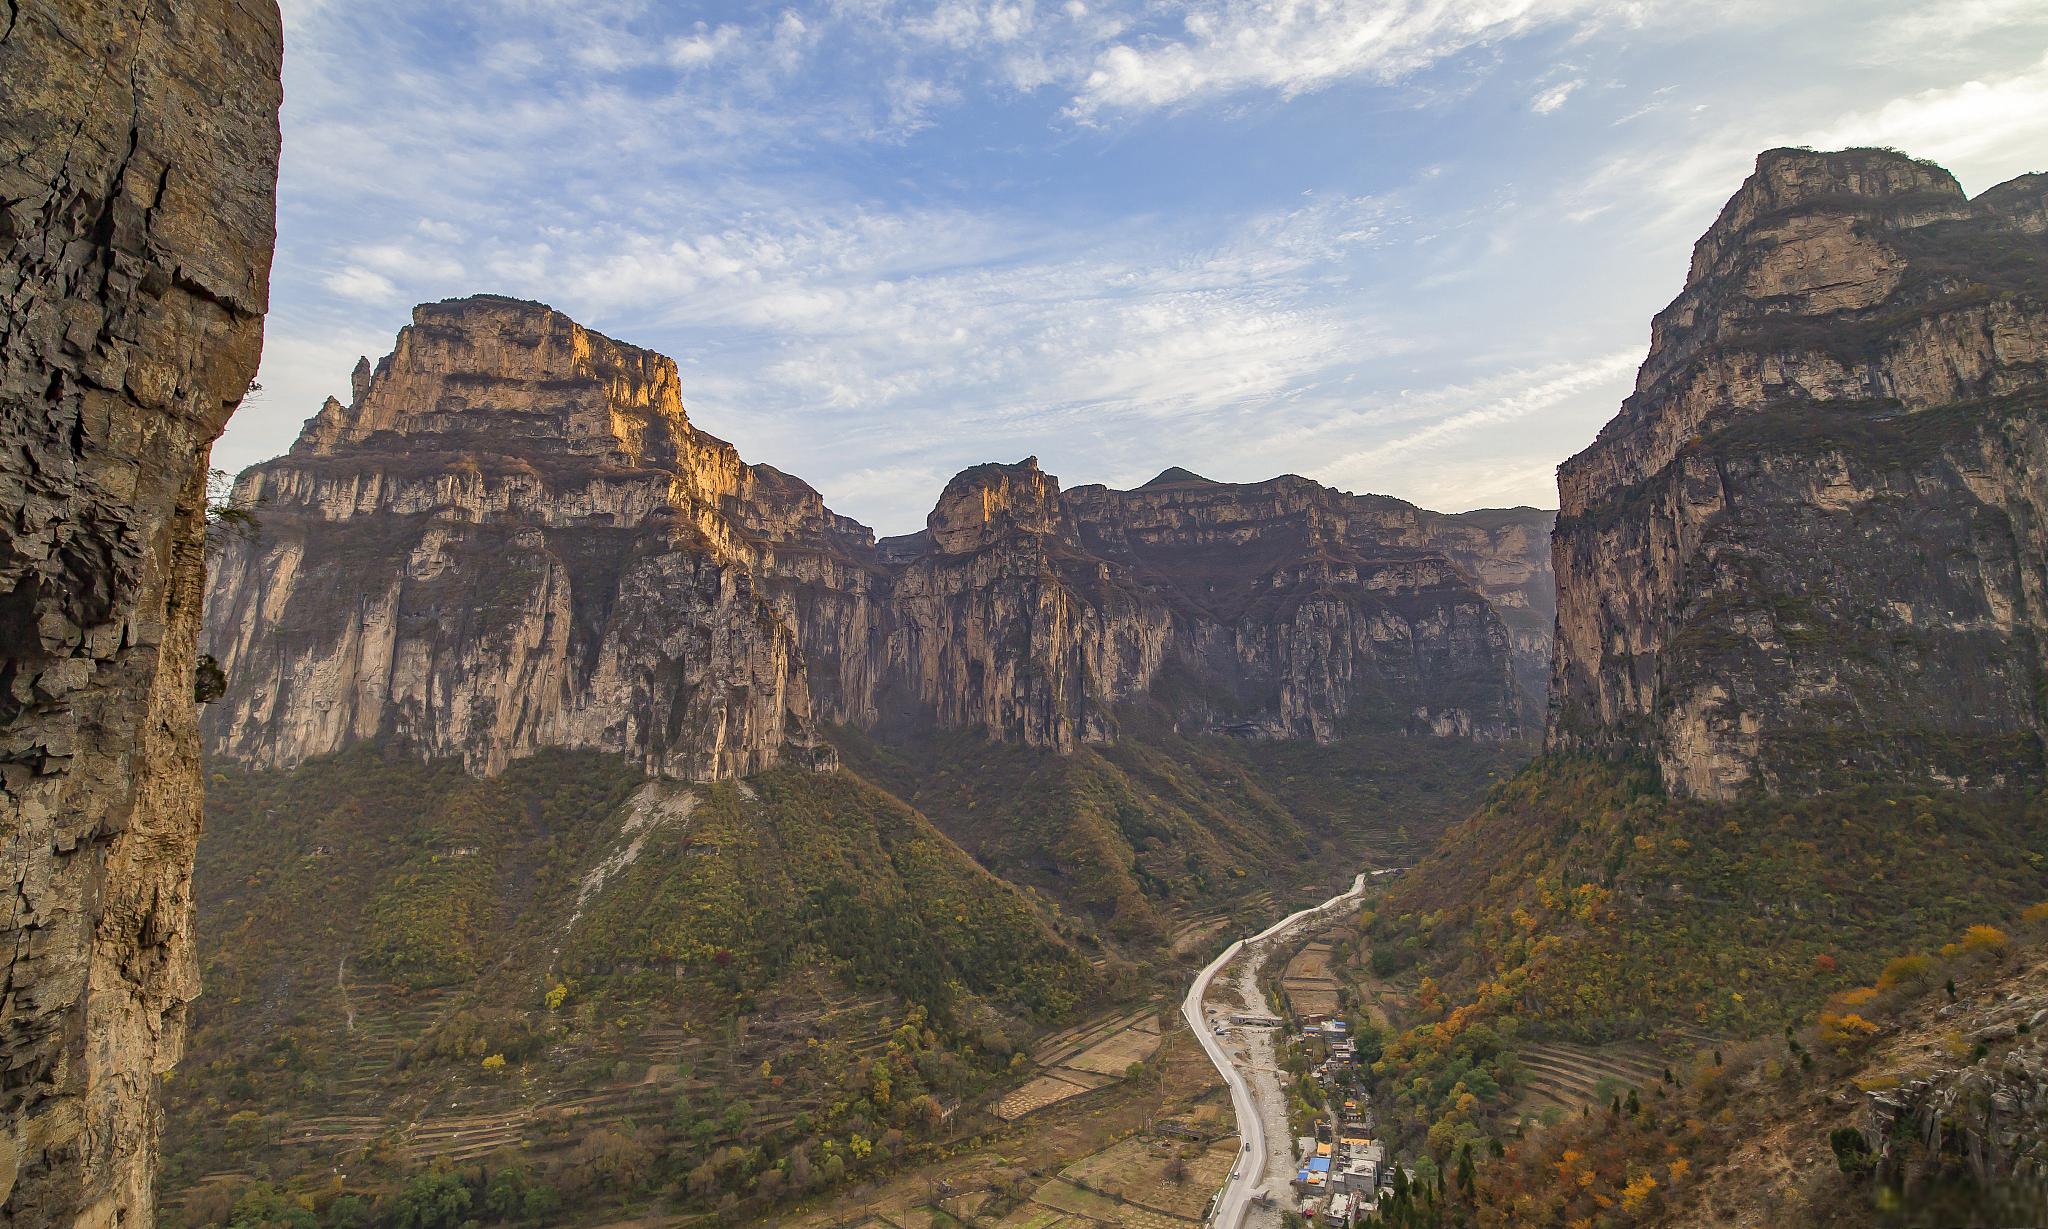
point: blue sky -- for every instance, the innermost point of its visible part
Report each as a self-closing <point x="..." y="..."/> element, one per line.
<point x="1404" y="246"/>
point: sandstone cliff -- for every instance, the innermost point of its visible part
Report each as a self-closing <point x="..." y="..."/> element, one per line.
<point x="140" y="163"/>
<point x="1811" y="543"/>
<point x="513" y="537"/>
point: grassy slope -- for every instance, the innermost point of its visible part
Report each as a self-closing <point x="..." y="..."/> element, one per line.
<point x="732" y="994"/>
<point x="1581" y="902"/>
<point x="1136" y="834"/>
<point x="375" y="926"/>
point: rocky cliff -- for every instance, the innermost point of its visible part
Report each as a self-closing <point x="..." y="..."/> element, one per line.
<point x="513" y="537"/>
<point x="1297" y="608"/>
<point x="140" y="144"/>
<point x="1811" y="544"/>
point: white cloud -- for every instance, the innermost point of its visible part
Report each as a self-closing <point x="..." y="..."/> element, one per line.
<point x="1551" y="99"/>
<point x="362" y="285"/>
<point x="1295" y="46"/>
<point x="702" y="46"/>
<point x="1995" y="127"/>
<point x="1985" y="129"/>
<point x="1500" y="399"/>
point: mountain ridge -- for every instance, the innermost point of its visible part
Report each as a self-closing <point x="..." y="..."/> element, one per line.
<point x="619" y="579"/>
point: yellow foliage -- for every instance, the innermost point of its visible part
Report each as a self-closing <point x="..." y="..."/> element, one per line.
<point x="1844" y="1027"/>
<point x="1905" y="970"/>
<point x="2035" y="913"/>
<point x="494" y="1062"/>
<point x="1981" y="938"/>
<point x="1678" y="1169"/>
<point x="1637" y="1193"/>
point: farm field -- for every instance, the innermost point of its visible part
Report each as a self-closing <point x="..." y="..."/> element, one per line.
<point x="1084" y="1058"/>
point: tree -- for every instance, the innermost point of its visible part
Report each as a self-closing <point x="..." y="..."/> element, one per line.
<point x="432" y="1201"/>
<point x="347" y="1212"/>
<point x="505" y="1194"/>
<point x="263" y="1206"/>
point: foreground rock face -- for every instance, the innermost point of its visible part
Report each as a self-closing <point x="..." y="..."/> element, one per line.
<point x="140" y="165"/>
<point x="513" y="537"/>
<point x="1811" y="544"/>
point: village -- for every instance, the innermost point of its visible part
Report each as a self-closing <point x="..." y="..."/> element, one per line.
<point x="1310" y="1152"/>
<point x="1342" y="1168"/>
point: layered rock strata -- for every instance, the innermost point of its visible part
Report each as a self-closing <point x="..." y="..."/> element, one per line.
<point x="136" y="214"/>
<point x="1811" y="544"/>
<point x="513" y="537"/>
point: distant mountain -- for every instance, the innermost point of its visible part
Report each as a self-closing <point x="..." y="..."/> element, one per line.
<point x="513" y="537"/>
<point x="594" y="806"/>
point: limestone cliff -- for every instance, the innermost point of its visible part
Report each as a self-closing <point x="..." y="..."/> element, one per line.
<point x="1812" y="542"/>
<point x="1298" y="608"/>
<point x="136" y="209"/>
<point x="513" y="537"/>
<point x="1003" y="624"/>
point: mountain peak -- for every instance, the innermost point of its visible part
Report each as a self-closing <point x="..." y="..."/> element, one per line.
<point x="1174" y="475"/>
<point x="491" y="374"/>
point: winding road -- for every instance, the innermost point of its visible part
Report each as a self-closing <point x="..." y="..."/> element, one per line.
<point x="1247" y="1180"/>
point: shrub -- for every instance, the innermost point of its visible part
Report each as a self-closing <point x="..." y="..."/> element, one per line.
<point x="1986" y="940"/>
<point x="1910" y="970"/>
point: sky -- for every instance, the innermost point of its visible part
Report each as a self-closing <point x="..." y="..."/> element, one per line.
<point x="1402" y="246"/>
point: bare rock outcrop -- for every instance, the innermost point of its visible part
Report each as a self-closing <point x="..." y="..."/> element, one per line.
<point x="1811" y="543"/>
<point x="1300" y="610"/>
<point x="136" y="211"/>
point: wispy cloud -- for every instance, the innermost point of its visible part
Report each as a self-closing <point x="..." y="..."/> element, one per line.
<point x="1294" y="46"/>
<point x="886" y="238"/>
<point x="1551" y="99"/>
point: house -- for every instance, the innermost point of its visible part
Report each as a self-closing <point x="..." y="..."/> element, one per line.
<point x="1313" y="1178"/>
<point x="1362" y="1170"/>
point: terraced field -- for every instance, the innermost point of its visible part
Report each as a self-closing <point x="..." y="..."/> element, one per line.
<point x="1310" y="988"/>
<point x="1569" y="1076"/>
<point x="1084" y="1058"/>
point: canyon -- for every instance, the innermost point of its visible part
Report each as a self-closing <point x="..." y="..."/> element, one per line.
<point x="513" y="537"/>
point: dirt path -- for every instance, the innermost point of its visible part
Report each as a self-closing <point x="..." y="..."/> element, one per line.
<point x="348" y="1009"/>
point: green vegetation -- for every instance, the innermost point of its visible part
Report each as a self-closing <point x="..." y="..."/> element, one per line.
<point x="1158" y="823"/>
<point x="618" y="992"/>
<point x="1583" y="903"/>
<point x="391" y="941"/>
<point x="1675" y="1151"/>
<point x="832" y="863"/>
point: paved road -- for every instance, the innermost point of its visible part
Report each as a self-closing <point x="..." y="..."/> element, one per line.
<point x="1239" y="1191"/>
